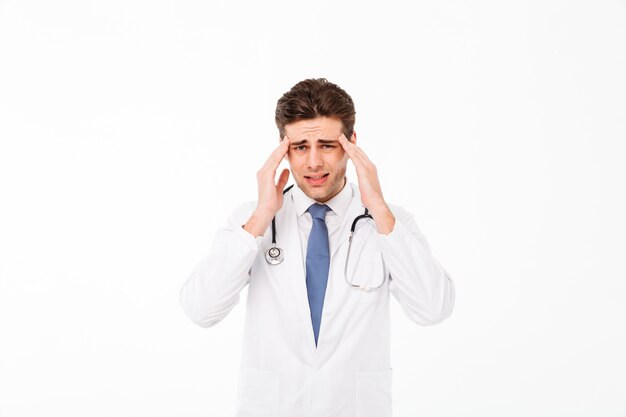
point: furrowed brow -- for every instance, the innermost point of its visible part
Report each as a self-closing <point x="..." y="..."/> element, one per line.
<point x="321" y="141"/>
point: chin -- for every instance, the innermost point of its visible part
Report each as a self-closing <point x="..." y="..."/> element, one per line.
<point x="314" y="193"/>
<point x="311" y="192"/>
<point x="320" y="194"/>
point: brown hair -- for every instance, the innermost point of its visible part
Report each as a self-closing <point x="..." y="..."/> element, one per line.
<point x="315" y="97"/>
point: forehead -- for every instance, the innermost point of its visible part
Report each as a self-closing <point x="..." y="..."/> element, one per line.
<point x="319" y="127"/>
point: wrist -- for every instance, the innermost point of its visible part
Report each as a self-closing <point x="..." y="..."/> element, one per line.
<point x="384" y="219"/>
<point x="379" y="208"/>
<point x="258" y="223"/>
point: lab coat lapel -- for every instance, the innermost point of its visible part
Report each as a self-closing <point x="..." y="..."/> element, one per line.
<point x="288" y="233"/>
<point x="355" y="208"/>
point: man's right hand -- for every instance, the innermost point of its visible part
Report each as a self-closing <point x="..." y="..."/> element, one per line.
<point x="270" y="193"/>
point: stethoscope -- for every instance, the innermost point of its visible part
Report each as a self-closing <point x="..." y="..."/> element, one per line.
<point x="275" y="255"/>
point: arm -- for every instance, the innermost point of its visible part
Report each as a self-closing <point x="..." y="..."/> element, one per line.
<point x="212" y="289"/>
<point x="417" y="281"/>
<point x="422" y="287"/>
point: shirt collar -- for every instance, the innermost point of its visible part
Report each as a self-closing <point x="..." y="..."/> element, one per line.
<point x="338" y="204"/>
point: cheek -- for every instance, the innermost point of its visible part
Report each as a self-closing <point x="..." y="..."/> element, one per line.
<point x="295" y="163"/>
<point x="338" y="163"/>
<point x="342" y="157"/>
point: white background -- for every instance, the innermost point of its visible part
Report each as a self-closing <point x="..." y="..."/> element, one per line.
<point x="130" y="129"/>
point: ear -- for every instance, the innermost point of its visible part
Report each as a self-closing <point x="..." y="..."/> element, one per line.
<point x="353" y="137"/>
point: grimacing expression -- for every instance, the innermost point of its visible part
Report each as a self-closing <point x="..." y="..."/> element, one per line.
<point x="316" y="158"/>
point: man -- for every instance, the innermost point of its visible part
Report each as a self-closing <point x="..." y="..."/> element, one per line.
<point x="316" y="339"/>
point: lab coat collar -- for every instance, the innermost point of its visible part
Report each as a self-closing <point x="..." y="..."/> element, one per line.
<point x="338" y="204"/>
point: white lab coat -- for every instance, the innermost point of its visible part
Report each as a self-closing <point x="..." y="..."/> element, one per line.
<point x="282" y="372"/>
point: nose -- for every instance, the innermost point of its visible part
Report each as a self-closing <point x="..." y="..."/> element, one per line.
<point x="315" y="159"/>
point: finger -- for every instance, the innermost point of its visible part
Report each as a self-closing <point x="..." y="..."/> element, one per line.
<point x="282" y="180"/>
<point x="344" y="140"/>
<point x="277" y="155"/>
<point x="346" y="145"/>
<point x="286" y="142"/>
<point x="361" y="154"/>
<point x="356" y="154"/>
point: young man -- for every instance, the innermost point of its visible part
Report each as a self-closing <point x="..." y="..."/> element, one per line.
<point x="316" y="339"/>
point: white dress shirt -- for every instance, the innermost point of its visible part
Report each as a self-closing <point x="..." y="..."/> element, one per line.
<point x="334" y="217"/>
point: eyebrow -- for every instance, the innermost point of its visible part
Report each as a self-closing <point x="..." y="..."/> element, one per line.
<point x="322" y="141"/>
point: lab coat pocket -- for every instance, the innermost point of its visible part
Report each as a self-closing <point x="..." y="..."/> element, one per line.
<point x="257" y="395"/>
<point x="373" y="393"/>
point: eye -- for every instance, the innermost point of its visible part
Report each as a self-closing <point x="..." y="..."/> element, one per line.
<point x="300" y="147"/>
<point x="328" y="146"/>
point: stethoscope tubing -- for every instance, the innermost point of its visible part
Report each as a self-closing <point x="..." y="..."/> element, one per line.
<point x="275" y="255"/>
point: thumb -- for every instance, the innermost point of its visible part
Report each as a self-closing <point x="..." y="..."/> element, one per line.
<point x="282" y="180"/>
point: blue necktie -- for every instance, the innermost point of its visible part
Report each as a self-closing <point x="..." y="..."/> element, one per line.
<point x="317" y="264"/>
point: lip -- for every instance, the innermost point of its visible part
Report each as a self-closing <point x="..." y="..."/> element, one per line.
<point x="319" y="181"/>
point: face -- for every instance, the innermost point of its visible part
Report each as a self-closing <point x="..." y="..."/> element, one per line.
<point x="316" y="158"/>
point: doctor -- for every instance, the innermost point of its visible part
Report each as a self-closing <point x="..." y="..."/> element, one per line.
<point x="317" y="327"/>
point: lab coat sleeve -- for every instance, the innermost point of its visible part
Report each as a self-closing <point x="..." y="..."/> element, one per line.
<point x="212" y="289"/>
<point x="417" y="281"/>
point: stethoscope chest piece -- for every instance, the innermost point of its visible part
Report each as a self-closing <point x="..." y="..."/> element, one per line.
<point x="274" y="255"/>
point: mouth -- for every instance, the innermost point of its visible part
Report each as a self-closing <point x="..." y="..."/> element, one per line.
<point x="316" y="179"/>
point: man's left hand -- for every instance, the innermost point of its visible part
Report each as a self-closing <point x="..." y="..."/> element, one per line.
<point x="369" y="186"/>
